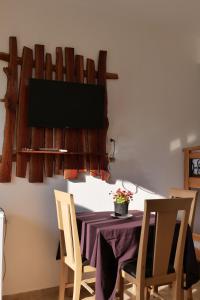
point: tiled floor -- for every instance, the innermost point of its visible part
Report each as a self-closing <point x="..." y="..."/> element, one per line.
<point x="165" y="292"/>
<point x="52" y="294"/>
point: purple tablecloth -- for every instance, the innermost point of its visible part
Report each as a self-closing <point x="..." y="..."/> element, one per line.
<point x="108" y="242"/>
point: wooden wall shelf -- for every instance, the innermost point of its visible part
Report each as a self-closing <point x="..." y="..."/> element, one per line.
<point x="56" y="152"/>
<point x="86" y="147"/>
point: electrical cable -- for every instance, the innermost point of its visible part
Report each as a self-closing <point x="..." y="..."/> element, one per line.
<point x="112" y="158"/>
<point x="4" y="257"/>
<point x="138" y="187"/>
<point x="4" y="241"/>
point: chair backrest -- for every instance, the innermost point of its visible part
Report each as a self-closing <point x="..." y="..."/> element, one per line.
<point x="69" y="240"/>
<point x="181" y="193"/>
<point x="166" y="212"/>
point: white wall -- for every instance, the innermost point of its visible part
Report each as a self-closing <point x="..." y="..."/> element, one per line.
<point x="153" y="111"/>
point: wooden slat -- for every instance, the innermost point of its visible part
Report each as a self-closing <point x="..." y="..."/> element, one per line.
<point x="194" y="148"/>
<point x="92" y="133"/>
<point x="10" y="104"/>
<point x="194" y="182"/>
<point x="162" y="252"/>
<point x="69" y="64"/>
<point x="102" y="68"/>
<point x="110" y="75"/>
<point x="59" y="133"/>
<point x="81" y="134"/>
<point x="103" y="132"/>
<point x="79" y="71"/>
<point x="13" y="157"/>
<point x="194" y="155"/>
<point x="37" y="138"/>
<point x="6" y="57"/>
<point x="28" y="152"/>
<point x="90" y="69"/>
<point x="23" y="131"/>
<point x="70" y="164"/>
<point x="48" y="160"/>
<point x="57" y="152"/>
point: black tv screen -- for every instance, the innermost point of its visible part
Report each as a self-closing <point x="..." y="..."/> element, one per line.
<point x="58" y="104"/>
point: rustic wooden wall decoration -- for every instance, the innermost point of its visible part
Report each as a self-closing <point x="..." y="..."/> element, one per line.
<point x="86" y="147"/>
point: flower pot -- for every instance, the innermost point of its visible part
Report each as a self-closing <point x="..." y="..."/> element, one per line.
<point x="121" y="209"/>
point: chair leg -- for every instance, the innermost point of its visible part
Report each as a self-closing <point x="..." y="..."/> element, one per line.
<point x="147" y="293"/>
<point x="62" y="281"/>
<point x="178" y="293"/>
<point x="155" y="288"/>
<point x="77" y="284"/>
<point x="189" y="294"/>
<point x="140" y="292"/>
<point x="121" y="288"/>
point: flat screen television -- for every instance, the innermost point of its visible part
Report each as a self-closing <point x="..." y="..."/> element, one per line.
<point x="58" y="104"/>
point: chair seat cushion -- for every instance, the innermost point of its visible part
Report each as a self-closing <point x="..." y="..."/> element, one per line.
<point x="130" y="268"/>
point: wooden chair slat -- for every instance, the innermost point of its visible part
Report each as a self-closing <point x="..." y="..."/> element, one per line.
<point x="181" y="193"/>
<point x="163" y="250"/>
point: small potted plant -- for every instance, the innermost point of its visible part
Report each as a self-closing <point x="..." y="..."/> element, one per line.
<point x="121" y="201"/>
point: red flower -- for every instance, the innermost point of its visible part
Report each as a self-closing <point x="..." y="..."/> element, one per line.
<point x="121" y="196"/>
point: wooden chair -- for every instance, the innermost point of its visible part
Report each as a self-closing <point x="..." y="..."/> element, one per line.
<point x="70" y="248"/>
<point x="196" y="239"/>
<point x="139" y="272"/>
<point x="181" y="193"/>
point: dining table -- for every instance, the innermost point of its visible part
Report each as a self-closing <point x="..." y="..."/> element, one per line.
<point x="107" y="242"/>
